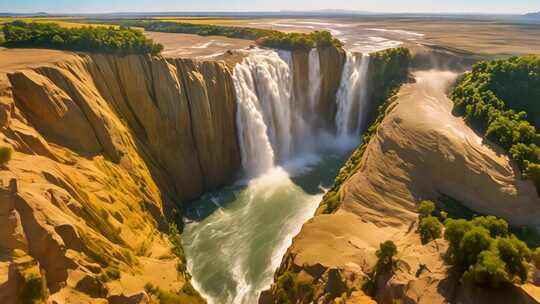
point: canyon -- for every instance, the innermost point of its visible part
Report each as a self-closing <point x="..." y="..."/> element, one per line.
<point x="117" y="160"/>
<point x="108" y="149"/>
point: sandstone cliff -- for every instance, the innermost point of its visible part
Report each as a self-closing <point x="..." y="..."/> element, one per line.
<point x="106" y="150"/>
<point x="420" y="151"/>
<point x="104" y="147"/>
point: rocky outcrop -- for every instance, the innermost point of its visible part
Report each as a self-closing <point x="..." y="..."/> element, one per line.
<point x="420" y="151"/>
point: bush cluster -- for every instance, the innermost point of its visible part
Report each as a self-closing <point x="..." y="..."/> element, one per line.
<point x="501" y="99"/>
<point x="117" y="40"/>
<point x="263" y="37"/>
<point x="486" y="251"/>
<point x="430" y="227"/>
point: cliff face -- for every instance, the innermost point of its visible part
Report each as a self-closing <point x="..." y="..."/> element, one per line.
<point x="420" y="151"/>
<point x="179" y="112"/>
<point x="104" y="146"/>
<point x="106" y="149"/>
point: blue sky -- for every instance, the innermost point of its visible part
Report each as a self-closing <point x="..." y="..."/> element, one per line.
<point x="99" y="6"/>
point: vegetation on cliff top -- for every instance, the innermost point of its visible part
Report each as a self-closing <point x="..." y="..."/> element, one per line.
<point x="114" y="40"/>
<point x="390" y="70"/>
<point x="501" y="99"/>
<point x="482" y="248"/>
<point x="263" y="37"/>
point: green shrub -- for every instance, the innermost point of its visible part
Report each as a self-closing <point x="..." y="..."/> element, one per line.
<point x="426" y="209"/>
<point x="5" y="155"/>
<point x="89" y="39"/>
<point x="535" y="257"/>
<point x="489" y="270"/>
<point x="386" y="252"/>
<point x="496" y="227"/>
<point x="177" y="248"/>
<point x="430" y="228"/>
<point x="486" y="252"/>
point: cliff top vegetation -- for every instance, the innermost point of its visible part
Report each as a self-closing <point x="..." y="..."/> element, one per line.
<point x="501" y="99"/>
<point x="116" y="40"/>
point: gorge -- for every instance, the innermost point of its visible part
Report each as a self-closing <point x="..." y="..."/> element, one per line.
<point x="124" y="142"/>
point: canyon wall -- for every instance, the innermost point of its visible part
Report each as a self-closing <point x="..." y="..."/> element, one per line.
<point x="106" y="149"/>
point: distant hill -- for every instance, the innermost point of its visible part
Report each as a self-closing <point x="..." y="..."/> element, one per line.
<point x="40" y="14"/>
<point x="532" y="15"/>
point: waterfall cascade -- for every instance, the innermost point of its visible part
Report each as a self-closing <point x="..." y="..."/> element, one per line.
<point x="289" y="160"/>
<point x="352" y="95"/>
<point x="270" y="124"/>
<point x="273" y="126"/>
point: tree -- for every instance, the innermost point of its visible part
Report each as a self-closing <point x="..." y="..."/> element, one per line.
<point x="474" y="241"/>
<point x="430" y="228"/>
<point x="454" y="232"/>
<point x="496" y="227"/>
<point x="386" y="252"/>
<point x="490" y="270"/>
<point x="514" y="253"/>
<point x="426" y="209"/>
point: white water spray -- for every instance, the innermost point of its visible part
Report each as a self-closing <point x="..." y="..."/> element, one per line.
<point x="272" y="125"/>
<point x="352" y="95"/>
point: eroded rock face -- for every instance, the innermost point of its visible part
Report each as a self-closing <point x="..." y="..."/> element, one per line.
<point x="105" y="149"/>
<point x="102" y="145"/>
<point x="420" y="151"/>
<point x="180" y="112"/>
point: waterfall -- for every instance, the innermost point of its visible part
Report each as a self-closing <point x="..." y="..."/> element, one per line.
<point x="271" y="127"/>
<point x="315" y="79"/>
<point x="257" y="153"/>
<point x="352" y="95"/>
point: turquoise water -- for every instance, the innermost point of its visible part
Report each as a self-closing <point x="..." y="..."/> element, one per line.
<point x="235" y="238"/>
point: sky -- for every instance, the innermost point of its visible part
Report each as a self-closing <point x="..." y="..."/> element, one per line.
<point x="398" y="6"/>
